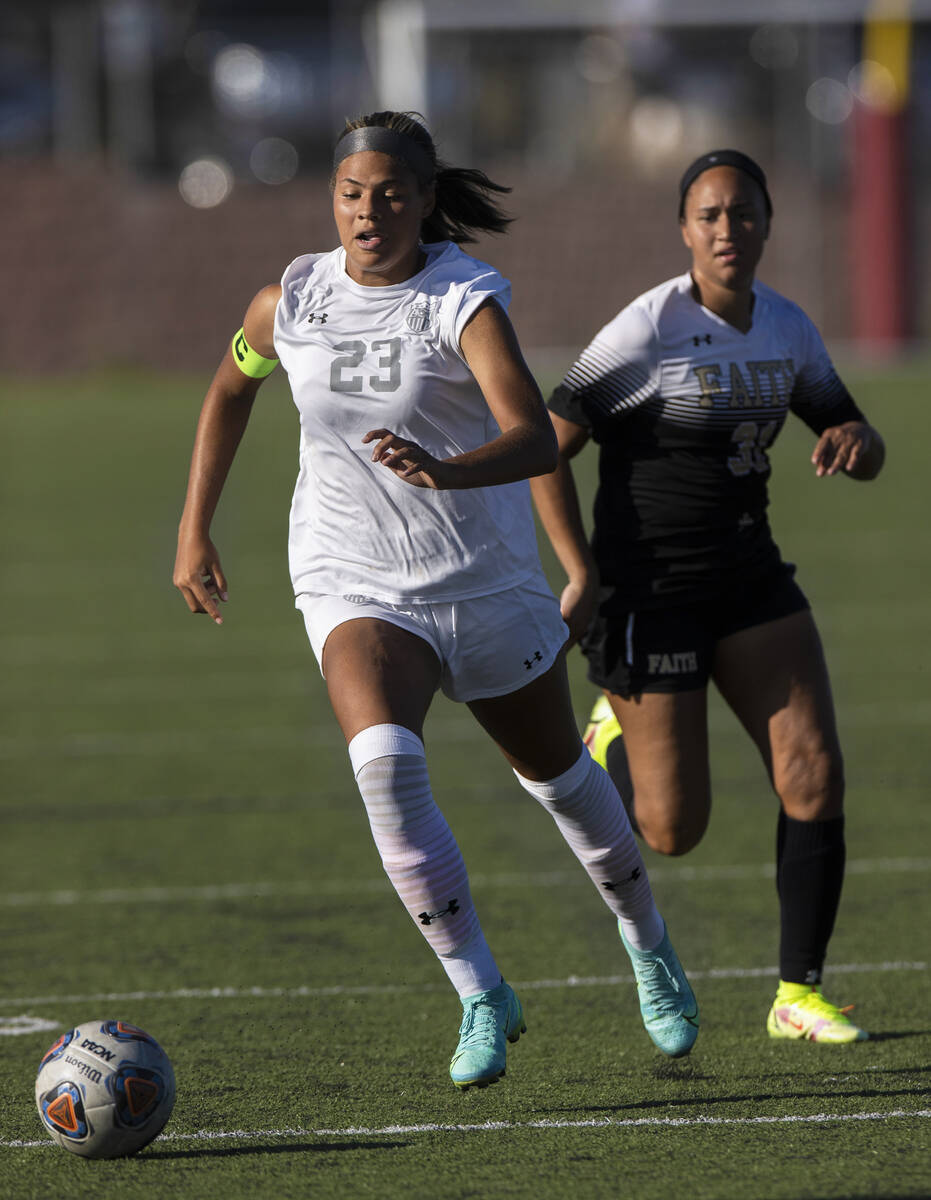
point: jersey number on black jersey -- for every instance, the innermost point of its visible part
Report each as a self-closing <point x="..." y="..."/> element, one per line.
<point x="751" y="441"/>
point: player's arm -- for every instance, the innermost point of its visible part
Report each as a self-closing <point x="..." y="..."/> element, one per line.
<point x="854" y="448"/>
<point x="526" y="445"/>
<point x="847" y="443"/>
<point x="223" y="419"/>
<point x="557" y="502"/>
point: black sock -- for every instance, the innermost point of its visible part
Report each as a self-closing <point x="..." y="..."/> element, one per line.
<point x="810" y="859"/>
<point x="616" y="760"/>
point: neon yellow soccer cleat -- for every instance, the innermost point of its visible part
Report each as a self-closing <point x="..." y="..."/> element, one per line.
<point x="802" y="1012"/>
<point x="602" y="728"/>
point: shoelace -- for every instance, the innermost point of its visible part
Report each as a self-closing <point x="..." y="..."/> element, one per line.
<point x="483" y="1025"/>
<point x="657" y="980"/>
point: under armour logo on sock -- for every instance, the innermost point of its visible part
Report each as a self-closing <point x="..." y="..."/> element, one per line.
<point x="632" y="878"/>
<point x="426" y="918"/>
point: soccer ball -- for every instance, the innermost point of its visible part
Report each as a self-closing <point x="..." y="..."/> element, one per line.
<point x="105" y="1089"/>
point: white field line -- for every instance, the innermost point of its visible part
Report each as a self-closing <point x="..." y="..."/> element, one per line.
<point x="362" y="1131"/>
<point x="309" y="992"/>
<point x="338" y="887"/>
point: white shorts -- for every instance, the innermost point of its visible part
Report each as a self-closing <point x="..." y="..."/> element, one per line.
<point x="487" y="646"/>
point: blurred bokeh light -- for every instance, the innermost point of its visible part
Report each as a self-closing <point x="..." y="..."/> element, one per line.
<point x="274" y="160"/>
<point x="205" y="183"/>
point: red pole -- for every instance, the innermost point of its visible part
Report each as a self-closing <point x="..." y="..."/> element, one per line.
<point x="879" y="228"/>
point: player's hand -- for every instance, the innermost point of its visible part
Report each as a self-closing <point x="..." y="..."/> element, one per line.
<point x="199" y="576"/>
<point x="577" y="605"/>
<point x="842" y="447"/>
<point x="407" y="460"/>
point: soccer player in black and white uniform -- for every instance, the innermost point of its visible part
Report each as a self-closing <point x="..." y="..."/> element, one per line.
<point x="413" y="554"/>
<point x="684" y="392"/>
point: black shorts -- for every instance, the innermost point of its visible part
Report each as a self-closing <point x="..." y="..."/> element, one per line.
<point x="672" y="649"/>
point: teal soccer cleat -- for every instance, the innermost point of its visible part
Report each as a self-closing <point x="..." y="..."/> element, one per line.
<point x="488" y="1018"/>
<point x="667" y="1003"/>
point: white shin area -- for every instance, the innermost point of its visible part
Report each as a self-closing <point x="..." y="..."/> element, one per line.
<point x="420" y="854"/>
<point x="589" y="814"/>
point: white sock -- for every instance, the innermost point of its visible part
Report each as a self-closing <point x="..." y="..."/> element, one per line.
<point x="420" y="854"/>
<point x="589" y="814"/>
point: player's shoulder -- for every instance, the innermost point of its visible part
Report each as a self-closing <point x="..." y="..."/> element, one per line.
<point x="307" y="265"/>
<point x="259" y="321"/>
<point x="641" y="322"/>
<point x="671" y="293"/>
<point x="448" y="263"/>
<point x="780" y="307"/>
<point x="305" y="274"/>
<point x="456" y="285"/>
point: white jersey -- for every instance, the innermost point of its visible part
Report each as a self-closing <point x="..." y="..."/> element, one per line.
<point x="361" y="358"/>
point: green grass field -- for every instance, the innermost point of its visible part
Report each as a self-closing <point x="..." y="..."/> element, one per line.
<point x="183" y="848"/>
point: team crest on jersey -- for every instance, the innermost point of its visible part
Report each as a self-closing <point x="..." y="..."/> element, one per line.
<point x="420" y="316"/>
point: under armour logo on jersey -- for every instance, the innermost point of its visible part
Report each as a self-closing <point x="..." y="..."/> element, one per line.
<point x="537" y="657"/>
<point x="631" y="878"/>
<point x="426" y="918"/>
<point x="321" y="317"/>
<point x="697" y="339"/>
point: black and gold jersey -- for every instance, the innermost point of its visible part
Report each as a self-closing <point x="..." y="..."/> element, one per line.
<point x="684" y="408"/>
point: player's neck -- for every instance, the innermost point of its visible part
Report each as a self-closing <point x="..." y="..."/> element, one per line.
<point x="735" y="306"/>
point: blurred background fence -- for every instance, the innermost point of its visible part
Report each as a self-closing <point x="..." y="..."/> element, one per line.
<point x="160" y="160"/>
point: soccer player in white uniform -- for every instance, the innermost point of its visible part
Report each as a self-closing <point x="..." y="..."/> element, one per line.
<point x="413" y="554"/>
<point x="684" y="391"/>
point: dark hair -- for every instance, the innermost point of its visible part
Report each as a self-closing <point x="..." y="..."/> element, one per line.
<point x="723" y="158"/>
<point x="464" y="201"/>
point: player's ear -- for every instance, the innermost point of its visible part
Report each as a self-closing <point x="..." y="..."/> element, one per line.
<point x="429" y="200"/>
<point x="683" y="229"/>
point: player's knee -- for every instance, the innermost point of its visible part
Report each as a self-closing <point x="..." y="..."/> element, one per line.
<point x="675" y="835"/>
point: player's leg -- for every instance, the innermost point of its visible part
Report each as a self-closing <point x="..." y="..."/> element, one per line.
<point x="666" y="747"/>
<point x="536" y="731"/>
<point x="381" y="679"/>
<point x="774" y="677"/>
<point x="653" y="667"/>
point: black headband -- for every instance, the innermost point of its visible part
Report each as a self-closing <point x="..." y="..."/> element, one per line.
<point x="723" y="158"/>
<point x="385" y="141"/>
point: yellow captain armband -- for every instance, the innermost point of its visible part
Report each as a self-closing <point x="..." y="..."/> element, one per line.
<point x="249" y="361"/>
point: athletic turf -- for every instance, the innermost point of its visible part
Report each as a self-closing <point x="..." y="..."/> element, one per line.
<point x="183" y="848"/>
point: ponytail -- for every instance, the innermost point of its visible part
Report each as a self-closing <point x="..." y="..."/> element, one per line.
<point x="464" y="203"/>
